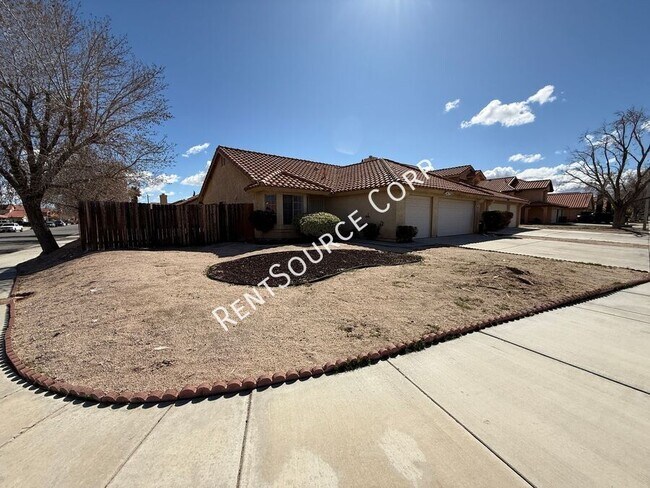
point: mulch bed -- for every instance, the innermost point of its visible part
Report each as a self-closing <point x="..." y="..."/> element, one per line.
<point x="251" y="270"/>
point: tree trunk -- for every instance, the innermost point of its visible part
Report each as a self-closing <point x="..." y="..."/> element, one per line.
<point x="619" y="217"/>
<point x="42" y="231"/>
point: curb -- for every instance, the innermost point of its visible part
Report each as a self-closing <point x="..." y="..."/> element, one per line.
<point x="236" y="385"/>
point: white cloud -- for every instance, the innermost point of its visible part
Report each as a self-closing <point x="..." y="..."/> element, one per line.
<point x="452" y="105"/>
<point x="510" y="114"/>
<point x="197" y="179"/>
<point x="525" y="158"/>
<point x="646" y="125"/>
<point x="499" y="172"/>
<point x="155" y="184"/>
<point x="557" y="174"/>
<point x="196" y="149"/>
<point x="543" y="95"/>
<point x="561" y="151"/>
<point x="194" y="180"/>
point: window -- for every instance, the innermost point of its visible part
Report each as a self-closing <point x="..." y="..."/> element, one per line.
<point x="270" y="204"/>
<point x="291" y="208"/>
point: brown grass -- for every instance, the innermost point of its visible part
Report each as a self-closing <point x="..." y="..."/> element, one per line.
<point x="141" y="320"/>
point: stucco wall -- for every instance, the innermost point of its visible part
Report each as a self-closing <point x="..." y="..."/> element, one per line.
<point x="227" y="184"/>
<point x="532" y="195"/>
<point x="342" y="205"/>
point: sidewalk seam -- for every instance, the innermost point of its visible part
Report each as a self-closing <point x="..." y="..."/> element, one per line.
<point x="483" y="443"/>
<point x="135" y="449"/>
<point x="566" y="363"/>
<point x="244" y="438"/>
<point x="49" y="415"/>
<point x="614" y="315"/>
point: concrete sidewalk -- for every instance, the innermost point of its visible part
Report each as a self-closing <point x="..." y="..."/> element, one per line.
<point x="557" y="399"/>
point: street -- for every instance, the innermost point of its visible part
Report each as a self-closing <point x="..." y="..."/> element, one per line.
<point x="17" y="241"/>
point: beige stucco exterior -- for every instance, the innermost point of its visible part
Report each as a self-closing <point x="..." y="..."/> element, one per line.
<point x="227" y="184"/>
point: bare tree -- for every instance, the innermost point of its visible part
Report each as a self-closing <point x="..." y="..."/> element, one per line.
<point x="614" y="161"/>
<point x="67" y="87"/>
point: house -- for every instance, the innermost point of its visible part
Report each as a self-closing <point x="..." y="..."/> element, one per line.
<point x="16" y="213"/>
<point x="290" y="187"/>
<point x="573" y="203"/>
<point x="538" y="210"/>
<point x="544" y="207"/>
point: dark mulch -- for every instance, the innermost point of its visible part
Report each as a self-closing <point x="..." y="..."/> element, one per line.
<point x="251" y="270"/>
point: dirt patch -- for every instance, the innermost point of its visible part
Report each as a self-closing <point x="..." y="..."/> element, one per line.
<point x="251" y="270"/>
<point x="141" y="320"/>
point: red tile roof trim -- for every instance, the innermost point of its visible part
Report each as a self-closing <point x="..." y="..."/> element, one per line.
<point x="221" y="387"/>
<point x="283" y="172"/>
<point x="577" y="200"/>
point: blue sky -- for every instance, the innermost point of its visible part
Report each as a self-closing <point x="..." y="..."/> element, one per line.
<point x="336" y="81"/>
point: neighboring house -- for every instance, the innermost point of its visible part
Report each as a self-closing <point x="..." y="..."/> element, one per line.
<point x="16" y="213"/>
<point x="539" y="210"/>
<point x="13" y="213"/>
<point x="573" y="203"/>
<point x="291" y="187"/>
<point x="465" y="174"/>
<point x="188" y="201"/>
<point x="544" y="207"/>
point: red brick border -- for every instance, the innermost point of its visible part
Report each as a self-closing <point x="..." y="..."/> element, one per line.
<point x="246" y="384"/>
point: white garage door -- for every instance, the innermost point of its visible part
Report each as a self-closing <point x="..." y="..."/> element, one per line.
<point x="455" y="217"/>
<point x="418" y="214"/>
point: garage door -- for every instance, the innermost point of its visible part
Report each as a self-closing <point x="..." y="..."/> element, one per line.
<point x="418" y="214"/>
<point x="455" y="217"/>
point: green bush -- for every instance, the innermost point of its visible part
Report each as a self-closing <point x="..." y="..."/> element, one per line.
<point x="496" y="220"/>
<point x="371" y="231"/>
<point x="263" y="220"/>
<point x="317" y="224"/>
<point x="405" y="233"/>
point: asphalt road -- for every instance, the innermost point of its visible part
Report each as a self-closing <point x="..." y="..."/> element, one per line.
<point x="17" y="241"/>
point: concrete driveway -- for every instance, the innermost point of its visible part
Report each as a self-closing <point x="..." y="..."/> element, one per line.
<point x="558" y="399"/>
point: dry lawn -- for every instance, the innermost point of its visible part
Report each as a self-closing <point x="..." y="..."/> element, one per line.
<point x="141" y="320"/>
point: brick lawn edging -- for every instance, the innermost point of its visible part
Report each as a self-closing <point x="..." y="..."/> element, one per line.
<point x="236" y="385"/>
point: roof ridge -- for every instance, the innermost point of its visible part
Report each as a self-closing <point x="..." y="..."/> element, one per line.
<point x="279" y="156"/>
<point x="455" y="167"/>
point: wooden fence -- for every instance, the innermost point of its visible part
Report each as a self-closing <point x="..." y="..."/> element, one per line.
<point x="124" y="225"/>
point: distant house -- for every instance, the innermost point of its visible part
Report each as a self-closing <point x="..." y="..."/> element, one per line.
<point x="16" y="213"/>
<point x="573" y="203"/>
<point x="290" y="187"/>
<point x="544" y="207"/>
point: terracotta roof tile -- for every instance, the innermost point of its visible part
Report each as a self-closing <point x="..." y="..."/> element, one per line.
<point x="451" y="172"/>
<point x="280" y="171"/>
<point x="533" y="184"/>
<point x="571" y="200"/>
<point x="498" y="184"/>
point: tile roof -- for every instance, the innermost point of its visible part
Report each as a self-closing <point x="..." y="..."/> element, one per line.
<point x="280" y="171"/>
<point x="571" y="200"/>
<point x="453" y="171"/>
<point x="533" y="184"/>
<point x="512" y="183"/>
<point x="498" y="184"/>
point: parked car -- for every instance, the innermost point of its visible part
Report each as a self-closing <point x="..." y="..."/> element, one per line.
<point x="50" y="223"/>
<point x="59" y="223"/>
<point x="13" y="227"/>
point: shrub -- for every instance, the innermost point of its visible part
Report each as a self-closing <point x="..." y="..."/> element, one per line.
<point x="319" y="223"/>
<point x="263" y="220"/>
<point x="371" y="231"/>
<point x="405" y="233"/>
<point x="496" y="220"/>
